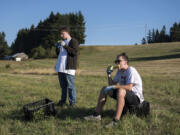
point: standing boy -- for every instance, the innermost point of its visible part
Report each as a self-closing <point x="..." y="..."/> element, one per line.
<point x="66" y="66"/>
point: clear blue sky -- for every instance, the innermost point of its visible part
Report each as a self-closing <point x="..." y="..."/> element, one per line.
<point x="108" y="22"/>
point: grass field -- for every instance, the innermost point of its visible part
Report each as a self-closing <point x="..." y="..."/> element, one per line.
<point x="32" y="80"/>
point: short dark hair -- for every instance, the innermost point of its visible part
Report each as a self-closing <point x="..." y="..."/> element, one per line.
<point x="65" y="28"/>
<point x="125" y="57"/>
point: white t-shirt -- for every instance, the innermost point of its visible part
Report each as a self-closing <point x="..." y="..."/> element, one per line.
<point x="62" y="61"/>
<point x="130" y="76"/>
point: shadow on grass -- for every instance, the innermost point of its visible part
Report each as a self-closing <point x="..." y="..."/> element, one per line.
<point x="19" y="115"/>
<point x="15" y="115"/>
<point x="79" y="113"/>
<point x="173" y="56"/>
<point x="62" y="113"/>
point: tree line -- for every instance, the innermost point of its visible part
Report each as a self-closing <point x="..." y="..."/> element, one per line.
<point x="156" y="36"/>
<point x="39" y="41"/>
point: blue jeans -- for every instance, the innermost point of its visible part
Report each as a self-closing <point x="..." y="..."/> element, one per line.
<point x="66" y="82"/>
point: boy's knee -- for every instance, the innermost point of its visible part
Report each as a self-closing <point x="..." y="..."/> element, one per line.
<point x="121" y="93"/>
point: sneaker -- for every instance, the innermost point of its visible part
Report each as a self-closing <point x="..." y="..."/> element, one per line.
<point x="72" y="105"/>
<point x="61" y="104"/>
<point x="95" y="116"/>
<point x="114" y="122"/>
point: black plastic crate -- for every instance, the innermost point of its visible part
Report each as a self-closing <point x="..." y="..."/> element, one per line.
<point x="45" y="107"/>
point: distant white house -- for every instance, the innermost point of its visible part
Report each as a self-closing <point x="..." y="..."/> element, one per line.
<point x="20" y="56"/>
<point x="17" y="59"/>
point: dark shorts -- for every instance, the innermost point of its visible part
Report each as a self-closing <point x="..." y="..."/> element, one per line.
<point x="130" y="98"/>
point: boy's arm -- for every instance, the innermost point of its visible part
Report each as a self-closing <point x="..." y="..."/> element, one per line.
<point x="110" y="81"/>
<point x="74" y="49"/>
<point x="127" y="87"/>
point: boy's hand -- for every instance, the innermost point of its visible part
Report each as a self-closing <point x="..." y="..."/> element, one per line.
<point x="63" y="43"/>
<point x="60" y="43"/>
<point x="109" y="70"/>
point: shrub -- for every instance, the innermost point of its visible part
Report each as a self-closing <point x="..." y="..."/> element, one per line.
<point x="8" y="65"/>
<point x="51" y="52"/>
<point x="38" y="52"/>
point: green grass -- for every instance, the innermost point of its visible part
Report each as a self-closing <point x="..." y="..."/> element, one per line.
<point x="29" y="81"/>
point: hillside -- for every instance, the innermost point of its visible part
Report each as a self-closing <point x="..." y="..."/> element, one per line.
<point x="99" y="57"/>
<point x="32" y="80"/>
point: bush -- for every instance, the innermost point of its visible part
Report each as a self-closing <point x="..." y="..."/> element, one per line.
<point x="38" y="52"/>
<point x="8" y="65"/>
<point x="51" y="52"/>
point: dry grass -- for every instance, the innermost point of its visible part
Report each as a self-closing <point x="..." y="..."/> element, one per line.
<point x="47" y="71"/>
<point x="161" y="67"/>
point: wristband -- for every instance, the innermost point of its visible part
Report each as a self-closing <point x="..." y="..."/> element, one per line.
<point x="108" y="88"/>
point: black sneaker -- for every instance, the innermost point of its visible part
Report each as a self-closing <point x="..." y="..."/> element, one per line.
<point x="61" y="104"/>
<point x="72" y="105"/>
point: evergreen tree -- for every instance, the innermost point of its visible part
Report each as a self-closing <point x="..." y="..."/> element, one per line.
<point x="149" y="37"/>
<point x="165" y="36"/>
<point x="143" y="41"/>
<point x="162" y="35"/>
<point x="175" y="32"/>
<point x="153" y="36"/>
<point x="157" y="37"/>
<point x="20" y="43"/>
<point x="4" y="48"/>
